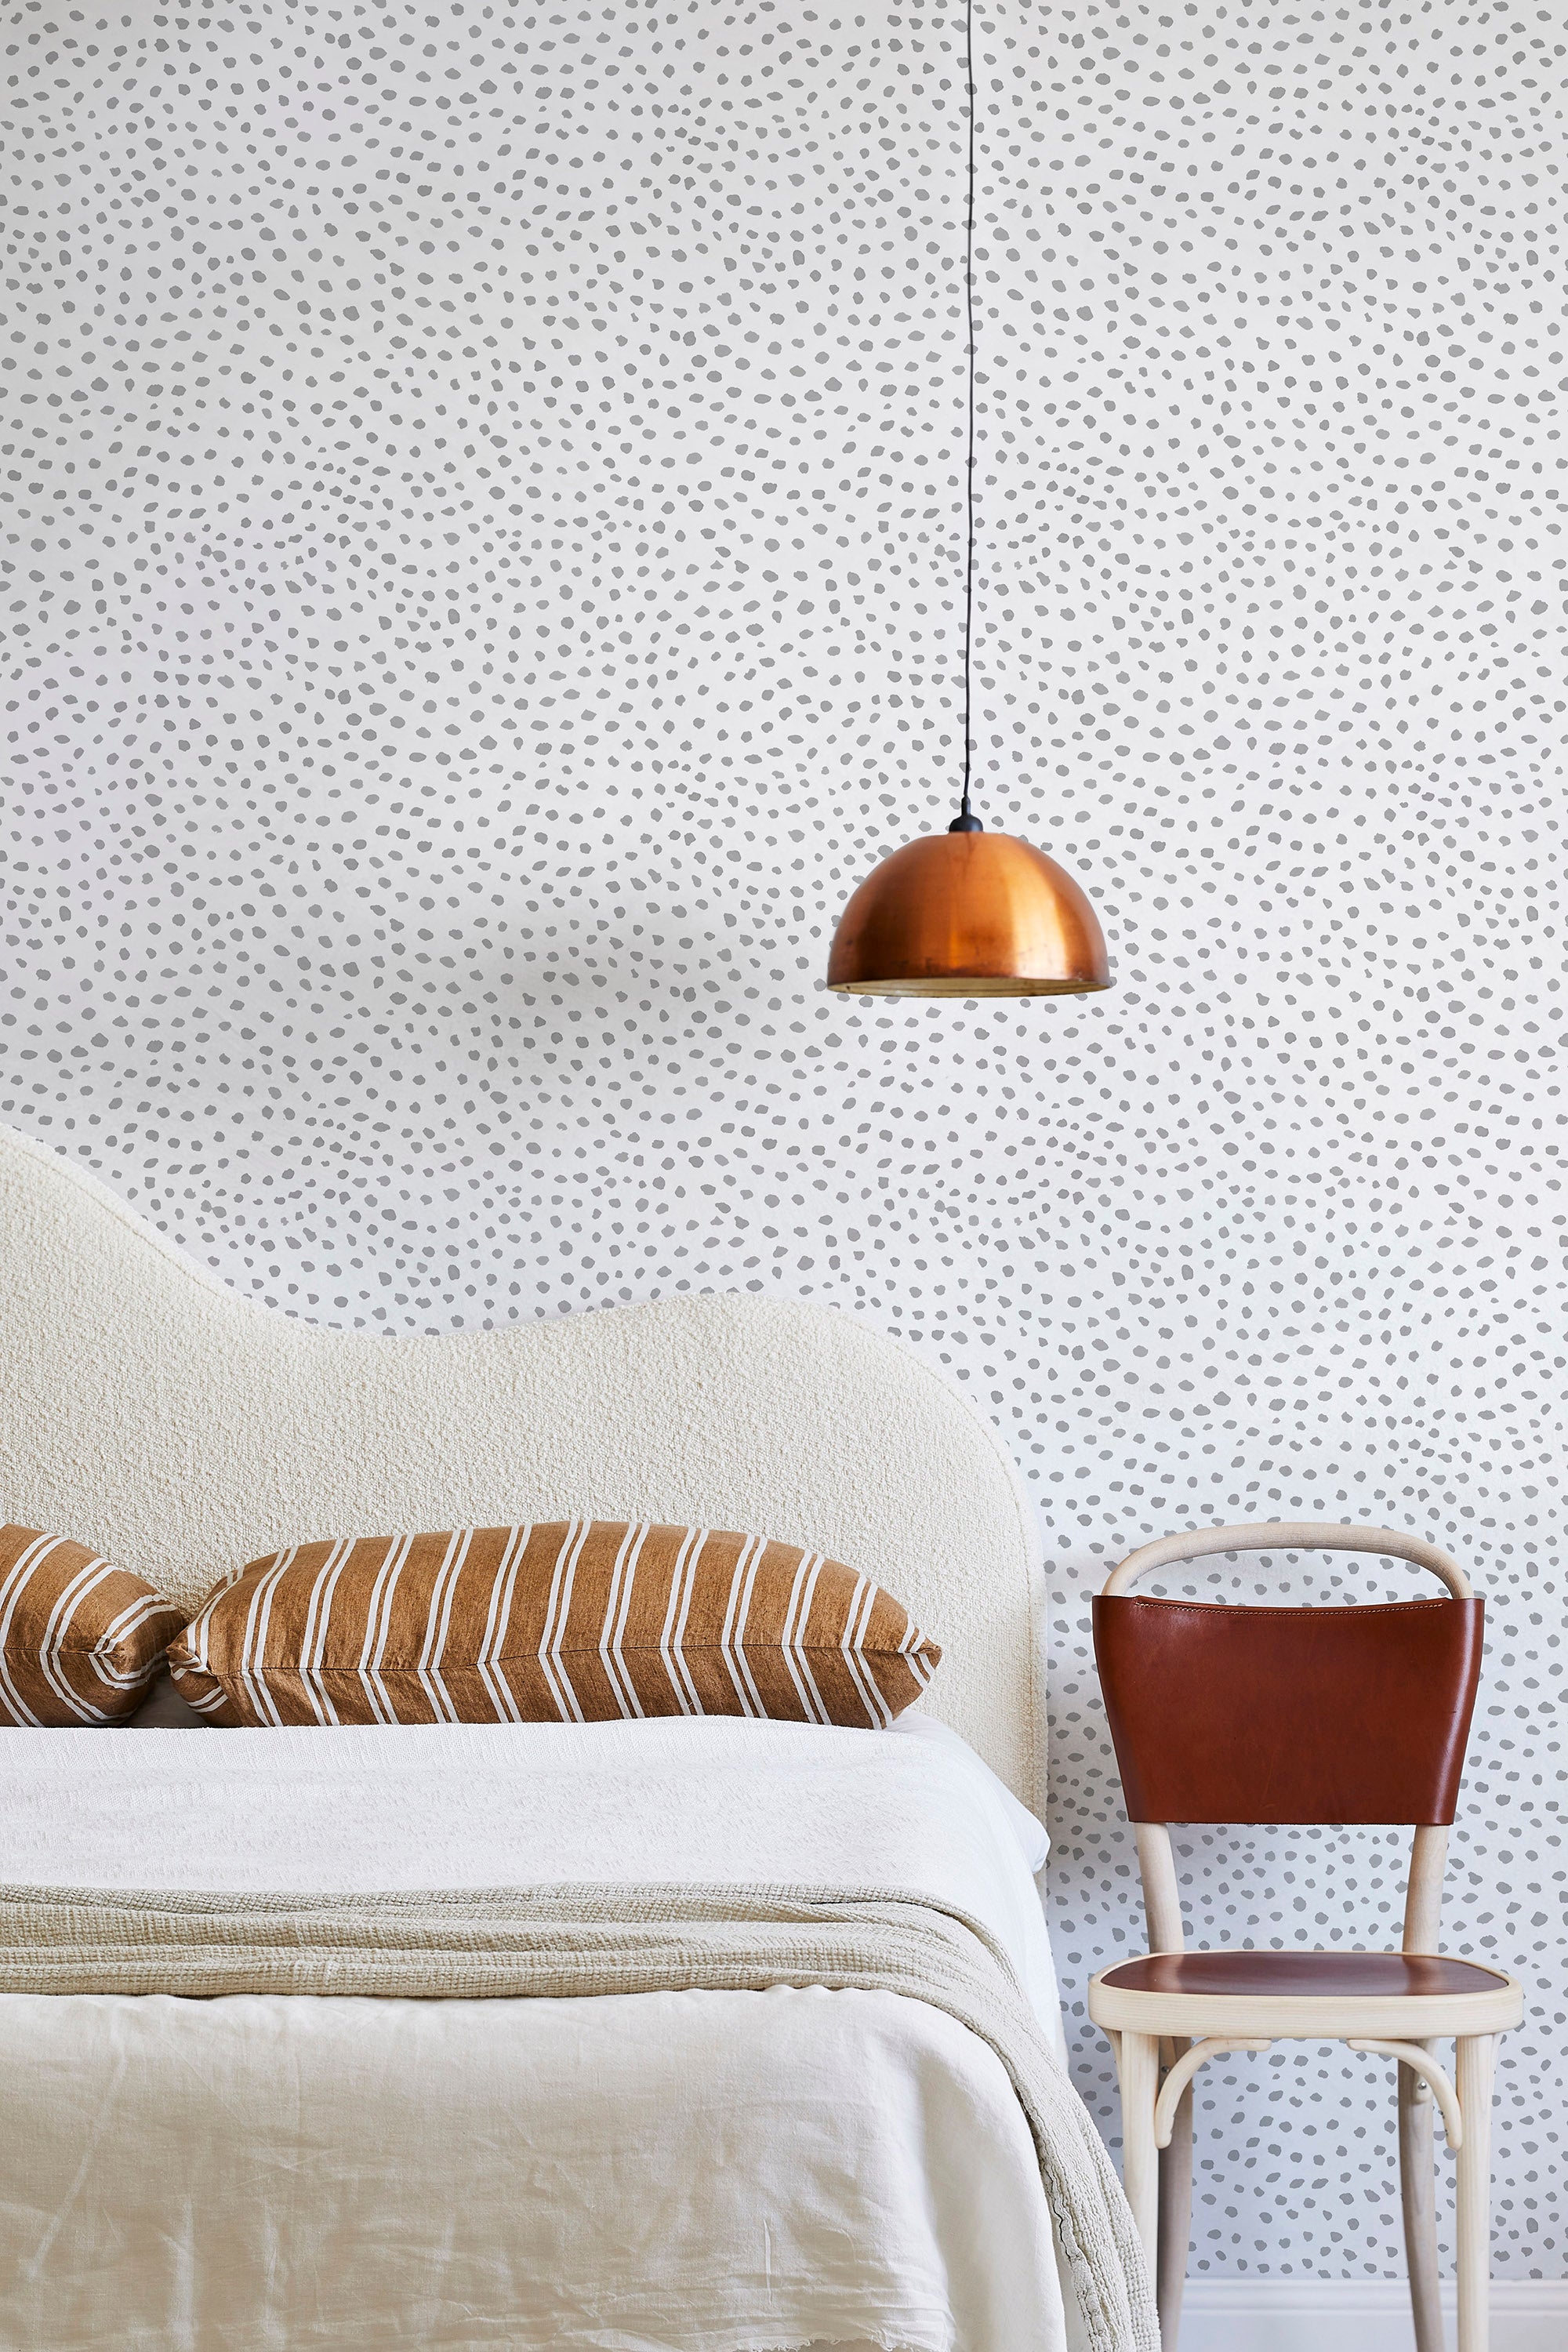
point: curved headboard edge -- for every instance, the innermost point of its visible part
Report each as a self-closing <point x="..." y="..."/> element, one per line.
<point x="20" y="1153"/>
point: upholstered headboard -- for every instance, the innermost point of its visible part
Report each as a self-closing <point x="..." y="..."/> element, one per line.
<point x="149" y="1410"/>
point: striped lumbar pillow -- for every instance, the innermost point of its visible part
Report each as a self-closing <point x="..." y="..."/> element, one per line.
<point x="79" y="1641"/>
<point x="577" y="1621"/>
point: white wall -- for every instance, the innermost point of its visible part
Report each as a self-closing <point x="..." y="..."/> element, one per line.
<point x="484" y="582"/>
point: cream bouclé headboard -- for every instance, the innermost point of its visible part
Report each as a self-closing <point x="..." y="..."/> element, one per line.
<point x="148" y="1410"/>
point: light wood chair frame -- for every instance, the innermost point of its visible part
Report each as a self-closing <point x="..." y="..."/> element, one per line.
<point x="1161" y="2040"/>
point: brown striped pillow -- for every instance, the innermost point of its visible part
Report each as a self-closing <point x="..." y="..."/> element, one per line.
<point x="583" y="1621"/>
<point x="79" y="1641"/>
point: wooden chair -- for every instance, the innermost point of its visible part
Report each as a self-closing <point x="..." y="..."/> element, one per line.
<point x="1359" y="1712"/>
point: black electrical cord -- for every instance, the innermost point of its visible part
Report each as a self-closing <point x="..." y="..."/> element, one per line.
<point x="965" y="821"/>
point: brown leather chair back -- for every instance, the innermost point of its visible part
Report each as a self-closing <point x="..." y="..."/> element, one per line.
<point x="1232" y="1713"/>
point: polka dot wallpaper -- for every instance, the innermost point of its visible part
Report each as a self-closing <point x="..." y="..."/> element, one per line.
<point x="482" y="510"/>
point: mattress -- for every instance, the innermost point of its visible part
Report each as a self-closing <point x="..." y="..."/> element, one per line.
<point x="716" y="2173"/>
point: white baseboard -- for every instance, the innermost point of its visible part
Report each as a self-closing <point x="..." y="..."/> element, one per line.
<point x="1277" y="2315"/>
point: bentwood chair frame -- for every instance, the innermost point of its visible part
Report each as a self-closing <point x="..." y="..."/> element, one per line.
<point x="1356" y="1713"/>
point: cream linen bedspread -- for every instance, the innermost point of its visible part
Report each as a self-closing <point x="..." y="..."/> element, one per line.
<point x="571" y="1942"/>
<point x="705" y="2171"/>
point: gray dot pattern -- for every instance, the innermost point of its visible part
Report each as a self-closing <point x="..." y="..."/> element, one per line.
<point x="483" y="532"/>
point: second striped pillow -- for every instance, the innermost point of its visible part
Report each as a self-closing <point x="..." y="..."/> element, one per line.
<point x="580" y="1621"/>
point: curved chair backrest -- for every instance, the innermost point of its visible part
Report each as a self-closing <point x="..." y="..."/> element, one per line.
<point x="1226" y="1713"/>
<point x="1290" y="1535"/>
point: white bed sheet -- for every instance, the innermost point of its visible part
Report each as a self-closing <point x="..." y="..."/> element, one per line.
<point x="711" y="2172"/>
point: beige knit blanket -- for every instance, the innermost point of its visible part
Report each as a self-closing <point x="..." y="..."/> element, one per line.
<point x="555" y="1942"/>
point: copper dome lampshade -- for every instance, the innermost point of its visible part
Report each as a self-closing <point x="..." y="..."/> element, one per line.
<point x="967" y="912"/>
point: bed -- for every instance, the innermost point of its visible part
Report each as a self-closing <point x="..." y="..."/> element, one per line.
<point x="694" y="2168"/>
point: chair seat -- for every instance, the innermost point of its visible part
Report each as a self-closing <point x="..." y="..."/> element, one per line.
<point x="1310" y="1995"/>
<point x="1339" y="1976"/>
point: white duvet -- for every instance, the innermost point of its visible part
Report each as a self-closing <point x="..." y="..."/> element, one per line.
<point x="695" y="2172"/>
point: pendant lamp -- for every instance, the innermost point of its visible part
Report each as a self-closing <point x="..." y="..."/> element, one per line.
<point x="967" y="912"/>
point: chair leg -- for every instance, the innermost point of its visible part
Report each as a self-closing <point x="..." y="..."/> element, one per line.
<point x="1138" y="2065"/>
<point x="1418" y="2194"/>
<point x="1176" y="2224"/>
<point x="1474" y="2056"/>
